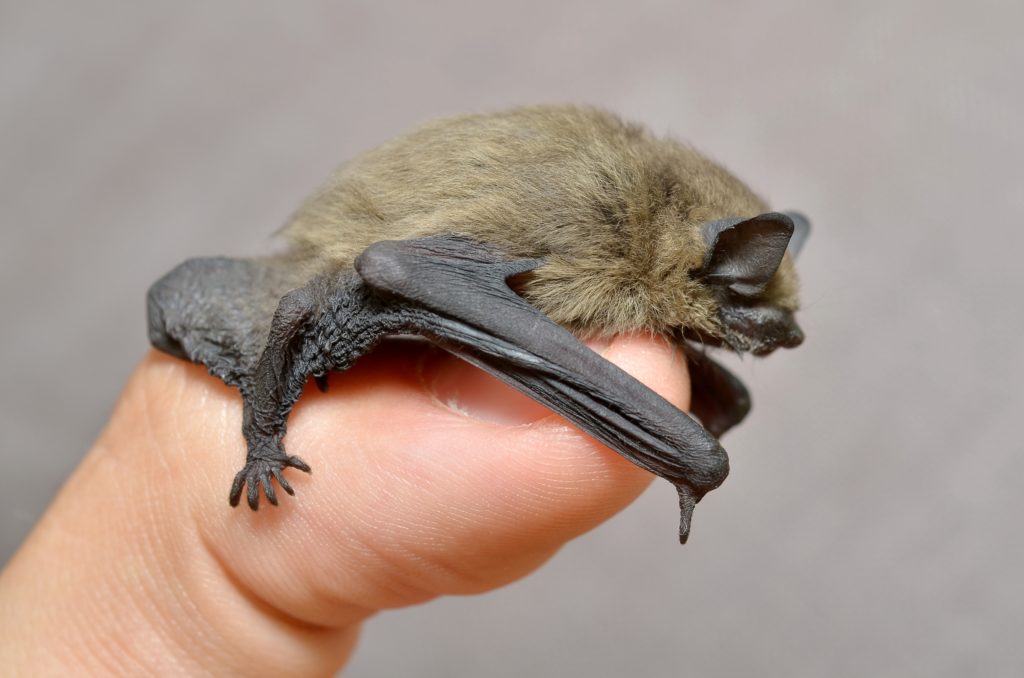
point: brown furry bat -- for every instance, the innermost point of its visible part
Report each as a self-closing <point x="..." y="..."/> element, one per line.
<point x="597" y="225"/>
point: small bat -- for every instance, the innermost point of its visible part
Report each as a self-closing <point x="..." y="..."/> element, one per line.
<point x="497" y="237"/>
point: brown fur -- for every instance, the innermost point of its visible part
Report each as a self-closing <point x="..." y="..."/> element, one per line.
<point x="615" y="211"/>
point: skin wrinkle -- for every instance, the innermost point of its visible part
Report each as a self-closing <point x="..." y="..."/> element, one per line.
<point x="460" y="566"/>
<point x="185" y="574"/>
<point x="257" y="602"/>
<point x="146" y="422"/>
<point x="458" y="577"/>
<point x="156" y="578"/>
<point x="86" y="642"/>
<point x="302" y="634"/>
<point x="377" y="567"/>
<point x="153" y="547"/>
<point x="112" y="657"/>
<point x="438" y="577"/>
<point x="322" y="536"/>
<point x="339" y="599"/>
<point x="110" y="599"/>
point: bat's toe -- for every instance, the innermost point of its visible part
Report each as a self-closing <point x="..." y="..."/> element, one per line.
<point x="259" y="473"/>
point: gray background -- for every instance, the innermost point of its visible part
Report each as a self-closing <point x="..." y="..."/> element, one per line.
<point x="871" y="522"/>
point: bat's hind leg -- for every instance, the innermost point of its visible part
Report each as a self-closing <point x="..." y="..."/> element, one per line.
<point x="269" y="395"/>
<point x="325" y="325"/>
<point x="221" y="313"/>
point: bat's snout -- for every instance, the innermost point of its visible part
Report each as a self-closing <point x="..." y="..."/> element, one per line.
<point x="760" y="329"/>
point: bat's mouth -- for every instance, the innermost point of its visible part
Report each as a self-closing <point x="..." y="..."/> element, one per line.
<point x="758" y="330"/>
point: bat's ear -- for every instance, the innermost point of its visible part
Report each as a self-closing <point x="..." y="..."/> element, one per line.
<point x="743" y="254"/>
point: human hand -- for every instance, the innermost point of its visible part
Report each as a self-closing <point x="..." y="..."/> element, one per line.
<point x="140" y="567"/>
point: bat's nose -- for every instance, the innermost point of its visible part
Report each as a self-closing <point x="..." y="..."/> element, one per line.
<point x="784" y="337"/>
<point x="793" y="339"/>
<point x="762" y="328"/>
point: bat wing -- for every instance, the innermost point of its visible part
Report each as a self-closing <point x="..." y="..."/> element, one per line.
<point x="217" y="311"/>
<point x="718" y="398"/>
<point x="468" y="308"/>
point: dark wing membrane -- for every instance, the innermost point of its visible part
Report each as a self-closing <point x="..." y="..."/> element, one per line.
<point x="217" y="312"/>
<point x="470" y="310"/>
<point x="718" y="398"/>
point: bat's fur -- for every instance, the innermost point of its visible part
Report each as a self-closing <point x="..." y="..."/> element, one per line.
<point x="614" y="210"/>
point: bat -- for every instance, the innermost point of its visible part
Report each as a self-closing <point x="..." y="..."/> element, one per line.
<point x="502" y="237"/>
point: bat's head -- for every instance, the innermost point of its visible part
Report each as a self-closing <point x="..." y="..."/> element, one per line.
<point x="672" y="243"/>
<point x="746" y="271"/>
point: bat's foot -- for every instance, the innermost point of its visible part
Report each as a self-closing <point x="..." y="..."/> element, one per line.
<point x="258" y="472"/>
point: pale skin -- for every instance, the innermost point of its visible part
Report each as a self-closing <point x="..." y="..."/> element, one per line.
<point x="429" y="478"/>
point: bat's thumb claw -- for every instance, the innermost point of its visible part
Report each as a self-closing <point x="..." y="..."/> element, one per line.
<point x="687" y="501"/>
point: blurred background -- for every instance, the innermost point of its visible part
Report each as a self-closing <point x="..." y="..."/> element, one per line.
<point x="871" y="522"/>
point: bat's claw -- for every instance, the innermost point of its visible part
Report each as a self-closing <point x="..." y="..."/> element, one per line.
<point x="258" y="472"/>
